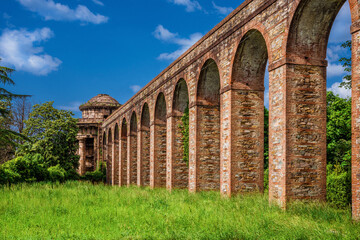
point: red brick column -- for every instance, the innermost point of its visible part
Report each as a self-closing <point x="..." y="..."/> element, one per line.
<point x="116" y="162"/>
<point x="225" y="143"/>
<point x="356" y="122"/>
<point x="82" y="153"/>
<point x="193" y="148"/>
<point x="113" y="171"/>
<point x="109" y="162"/>
<point x="205" y="170"/>
<point x="297" y="133"/>
<point x="138" y="161"/>
<point x="152" y="155"/>
<point x="159" y="155"/>
<point x="144" y="153"/>
<point x="177" y="168"/>
<point x="123" y="161"/>
<point x="132" y="159"/>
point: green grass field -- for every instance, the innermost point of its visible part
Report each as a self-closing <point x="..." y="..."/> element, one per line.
<point x="83" y="211"/>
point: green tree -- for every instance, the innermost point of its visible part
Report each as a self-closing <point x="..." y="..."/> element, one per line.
<point x="338" y="130"/>
<point x="53" y="133"/>
<point x="8" y="138"/>
<point x="338" y="150"/>
<point x="346" y="62"/>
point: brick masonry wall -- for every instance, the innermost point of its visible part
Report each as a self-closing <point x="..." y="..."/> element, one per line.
<point x="160" y="155"/>
<point x="356" y="125"/>
<point x="180" y="169"/>
<point x="123" y="161"/>
<point x="208" y="148"/>
<point x="145" y="158"/>
<point x="247" y="167"/>
<point x="132" y="160"/>
<point x="116" y="163"/>
<point x="306" y="127"/>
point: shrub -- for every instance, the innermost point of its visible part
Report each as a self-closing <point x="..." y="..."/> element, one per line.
<point x="27" y="168"/>
<point x="338" y="186"/>
<point x="99" y="175"/>
<point x="56" y="173"/>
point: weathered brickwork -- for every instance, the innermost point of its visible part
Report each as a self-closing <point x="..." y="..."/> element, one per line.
<point x="145" y="158"/>
<point x="247" y="141"/>
<point x="356" y="124"/>
<point x="123" y="161"/>
<point x="224" y="78"/>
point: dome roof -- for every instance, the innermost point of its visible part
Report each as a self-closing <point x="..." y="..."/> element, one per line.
<point x="100" y="101"/>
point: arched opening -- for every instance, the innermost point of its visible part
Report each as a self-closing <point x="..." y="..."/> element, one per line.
<point x="123" y="153"/>
<point x="180" y="137"/>
<point x="109" y="157"/>
<point x="116" y="156"/>
<point x="132" y="164"/>
<point x="145" y="146"/>
<point x="298" y="171"/>
<point x="208" y="128"/>
<point x="160" y="142"/>
<point x="247" y="114"/>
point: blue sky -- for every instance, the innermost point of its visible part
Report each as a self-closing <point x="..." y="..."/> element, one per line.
<point x="68" y="51"/>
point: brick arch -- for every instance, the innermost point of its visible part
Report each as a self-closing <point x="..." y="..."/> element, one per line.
<point x="309" y="30"/>
<point x="207" y="110"/>
<point x="247" y="108"/>
<point x="145" y="146"/>
<point x="179" y="169"/>
<point x="132" y="149"/>
<point x="158" y="163"/>
<point x="123" y="153"/>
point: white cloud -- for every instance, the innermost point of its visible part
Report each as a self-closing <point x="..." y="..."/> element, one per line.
<point x="184" y="44"/>
<point x="135" y="88"/>
<point x="17" y="48"/>
<point x="162" y="33"/>
<point x="191" y="5"/>
<point x="51" y="10"/>
<point x="335" y="70"/>
<point x="341" y="91"/>
<point x="222" y="10"/>
<point x="73" y="106"/>
<point x="340" y="32"/>
<point x="97" y="2"/>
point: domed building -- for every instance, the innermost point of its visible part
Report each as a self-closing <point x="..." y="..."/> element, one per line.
<point x="94" y="112"/>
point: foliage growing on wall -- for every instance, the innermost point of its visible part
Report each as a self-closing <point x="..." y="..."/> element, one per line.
<point x="184" y="127"/>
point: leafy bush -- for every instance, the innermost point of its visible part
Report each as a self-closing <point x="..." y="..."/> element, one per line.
<point x="99" y="175"/>
<point x="338" y="186"/>
<point x="28" y="168"/>
<point x="56" y="173"/>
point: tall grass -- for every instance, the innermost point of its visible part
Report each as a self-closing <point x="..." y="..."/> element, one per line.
<point x="82" y="211"/>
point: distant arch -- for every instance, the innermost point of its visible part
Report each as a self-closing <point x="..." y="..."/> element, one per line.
<point x="208" y="128"/>
<point x="160" y="142"/>
<point x="145" y="145"/>
<point x="180" y="157"/>
<point x="133" y="150"/>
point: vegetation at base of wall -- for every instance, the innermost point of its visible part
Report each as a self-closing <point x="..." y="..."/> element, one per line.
<point x="184" y="127"/>
<point x="78" y="210"/>
<point x="98" y="176"/>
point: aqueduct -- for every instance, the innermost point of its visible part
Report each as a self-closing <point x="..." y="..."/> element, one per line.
<point x="221" y="80"/>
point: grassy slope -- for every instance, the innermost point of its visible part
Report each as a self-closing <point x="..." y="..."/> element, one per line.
<point x="82" y="211"/>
